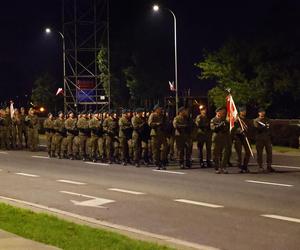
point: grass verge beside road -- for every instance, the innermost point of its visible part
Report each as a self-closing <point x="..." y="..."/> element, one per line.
<point x="63" y="234"/>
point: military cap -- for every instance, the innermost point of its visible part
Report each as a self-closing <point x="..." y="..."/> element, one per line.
<point x="261" y="109"/>
<point x="96" y="112"/>
<point x="220" y="109"/>
<point x="139" y="110"/>
<point x="157" y="106"/>
<point x="242" y="109"/>
<point x="83" y="112"/>
<point x="70" y="112"/>
<point x="124" y="111"/>
<point x="49" y="114"/>
<point x="60" y="112"/>
<point x="181" y="109"/>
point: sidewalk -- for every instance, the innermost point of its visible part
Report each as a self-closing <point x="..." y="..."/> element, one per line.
<point x="10" y="241"/>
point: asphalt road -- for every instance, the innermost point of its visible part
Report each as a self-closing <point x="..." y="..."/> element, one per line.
<point x="234" y="211"/>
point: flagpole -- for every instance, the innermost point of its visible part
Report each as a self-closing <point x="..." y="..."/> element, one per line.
<point x="246" y="138"/>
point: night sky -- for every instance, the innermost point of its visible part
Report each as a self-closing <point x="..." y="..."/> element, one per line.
<point x="26" y="52"/>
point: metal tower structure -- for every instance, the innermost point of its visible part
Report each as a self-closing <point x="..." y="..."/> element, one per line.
<point x="85" y="29"/>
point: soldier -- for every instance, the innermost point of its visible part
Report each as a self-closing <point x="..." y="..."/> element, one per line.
<point x="182" y="137"/>
<point x="125" y="134"/>
<point x="76" y="141"/>
<point x="221" y="140"/>
<point x="3" y="133"/>
<point x="239" y="135"/>
<point x="18" y="126"/>
<point x="23" y="131"/>
<point x="101" y="138"/>
<point x="49" y="132"/>
<point x="83" y="126"/>
<point x="204" y="136"/>
<point x="110" y="128"/>
<point x="70" y="125"/>
<point x="94" y="126"/>
<point x="158" y="139"/>
<point x="59" y="127"/>
<point x="15" y="120"/>
<point x="263" y="140"/>
<point x="138" y="124"/>
<point x="33" y="129"/>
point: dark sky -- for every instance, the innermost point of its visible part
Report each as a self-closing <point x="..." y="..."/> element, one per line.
<point x="26" y="53"/>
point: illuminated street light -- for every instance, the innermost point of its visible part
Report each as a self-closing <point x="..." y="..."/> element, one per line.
<point x="156" y="9"/>
<point x="48" y="30"/>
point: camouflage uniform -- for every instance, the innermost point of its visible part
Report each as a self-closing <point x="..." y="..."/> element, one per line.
<point x="59" y="127"/>
<point x="83" y="126"/>
<point x="94" y="125"/>
<point x="204" y="136"/>
<point x="110" y="127"/>
<point x="138" y="124"/>
<point x="221" y="143"/>
<point x="125" y="133"/>
<point x="49" y="132"/>
<point x="70" y="125"/>
<point x="23" y="130"/>
<point x="33" y="131"/>
<point x="158" y="139"/>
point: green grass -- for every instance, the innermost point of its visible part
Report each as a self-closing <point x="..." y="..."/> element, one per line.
<point x="63" y="234"/>
<point x="281" y="149"/>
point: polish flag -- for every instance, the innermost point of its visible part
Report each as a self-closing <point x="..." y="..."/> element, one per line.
<point x="60" y="91"/>
<point x="172" y="86"/>
<point x="232" y="112"/>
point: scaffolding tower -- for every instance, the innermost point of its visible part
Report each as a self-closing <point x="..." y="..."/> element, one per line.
<point x="85" y="29"/>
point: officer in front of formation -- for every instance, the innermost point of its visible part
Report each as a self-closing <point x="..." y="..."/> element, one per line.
<point x="158" y="124"/>
<point x="221" y="140"/>
<point x="263" y="140"/>
<point x="204" y="136"/>
<point x="33" y="129"/>
<point x="183" y="138"/>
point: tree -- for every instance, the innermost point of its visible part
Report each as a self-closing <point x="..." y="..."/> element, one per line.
<point x="43" y="93"/>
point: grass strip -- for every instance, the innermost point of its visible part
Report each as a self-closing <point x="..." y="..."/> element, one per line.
<point x="53" y="231"/>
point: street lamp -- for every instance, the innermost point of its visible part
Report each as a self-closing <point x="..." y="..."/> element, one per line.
<point x="48" y="31"/>
<point x="156" y="9"/>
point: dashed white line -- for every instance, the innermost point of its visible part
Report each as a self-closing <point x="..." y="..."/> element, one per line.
<point x="97" y="163"/>
<point x="269" y="183"/>
<point x="71" y="182"/>
<point x="3" y="152"/>
<point x="167" y="171"/>
<point x="279" y="217"/>
<point x="288" y="167"/>
<point x="125" y="191"/>
<point x="28" y="175"/>
<point x="198" y="203"/>
<point x="80" y="195"/>
<point x="40" y="157"/>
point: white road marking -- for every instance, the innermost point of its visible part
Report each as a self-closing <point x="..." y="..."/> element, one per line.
<point x="204" y="204"/>
<point x="125" y="191"/>
<point x="0" y="170"/>
<point x="168" y="172"/>
<point x="279" y="217"/>
<point x="3" y="152"/>
<point x="28" y="175"/>
<point x="97" y="163"/>
<point x="64" y="214"/>
<point x="71" y="182"/>
<point x="92" y="202"/>
<point x="269" y="183"/>
<point x="288" y="167"/>
<point x="40" y="157"/>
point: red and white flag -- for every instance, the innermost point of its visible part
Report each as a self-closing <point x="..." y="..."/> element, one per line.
<point x="232" y="112"/>
<point x="12" y="110"/>
<point x="172" y="86"/>
<point x="60" y="91"/>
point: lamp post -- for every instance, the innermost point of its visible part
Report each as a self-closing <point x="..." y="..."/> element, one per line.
<point x="156" y="9"/>
<point x="48" y="31"/>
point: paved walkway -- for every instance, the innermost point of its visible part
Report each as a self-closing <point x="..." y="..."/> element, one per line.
<point x="10" y="241"/>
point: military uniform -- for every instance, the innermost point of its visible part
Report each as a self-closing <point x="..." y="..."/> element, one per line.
<point x="33" y="131"/>
<point x="125" y="134"/>
<point x="101" y="141"/>
<point x="23" y="130"/>
<point x="221" y="143"/>
<point x="59" y="128"/>
<point x="183" y="139"/>
<point x="204" y="137"/>
<point x="5" y="131"/>
<point x="83" y="126"/>
<point x="110" y="127"/>
<point x="94" y="126"/>
<point x="49" y="132"/>
<point x="70" y="125"/>
<point x="158" y="139"/>
<point x="138" y="124"/>
<point x="263" y="140"/>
